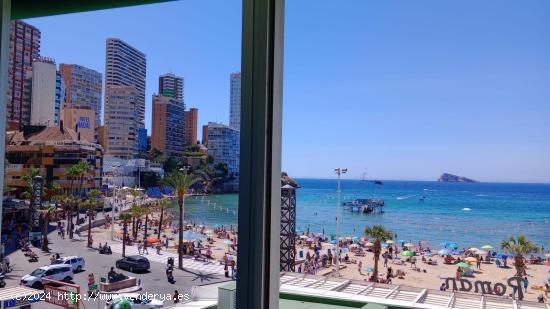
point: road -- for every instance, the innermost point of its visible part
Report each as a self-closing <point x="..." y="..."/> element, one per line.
<point x="152" y="282"/>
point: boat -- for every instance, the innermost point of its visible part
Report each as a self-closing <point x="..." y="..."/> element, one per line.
<point x="371" y="205"/>
<point x="378" y="182"/>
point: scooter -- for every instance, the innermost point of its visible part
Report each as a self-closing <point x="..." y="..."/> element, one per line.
<point x="2" y="281"/>
<point x="170" y="274"/>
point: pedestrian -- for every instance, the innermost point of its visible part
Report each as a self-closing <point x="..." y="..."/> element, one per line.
<point x="478" y="262"/>
<point x="359" y="266"/>
<point x="525" y="283"/>
<point x="233" y="263"/>
<point x="145" y="248"/>
<point x="176" y="297"/>
<point x="385" y="260"/>
<point x="226" y="270"/>
<point x="139" y="247"/>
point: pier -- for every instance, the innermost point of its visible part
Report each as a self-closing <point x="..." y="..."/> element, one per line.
<point x="372" y="205"/>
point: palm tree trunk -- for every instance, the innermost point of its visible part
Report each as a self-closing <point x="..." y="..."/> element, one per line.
<point x="180" y="233"/>
<point x="145" y="232"/>
<point x="70" y="224"/>
<point x="124" y="235"/>
<point x="376" y="258"/>
<point x="160" y="221"/>
<point x="45" y="236"/>
<point x="90" y="214"/>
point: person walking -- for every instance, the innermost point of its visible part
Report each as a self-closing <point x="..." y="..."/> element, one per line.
<point x="140" y="246"/>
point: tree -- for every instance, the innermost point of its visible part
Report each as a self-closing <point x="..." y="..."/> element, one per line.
<point x="136" y="213"/>
<point x="146" y="211"/>
<point x="520" y="246"/>
<point x="82" y="167"/>
<point x="377" y="234"/>
<point x="72" y="174"/>
<point x="161" y="206"/>
<point x="28" y="178"/>
<point x="90" y="205"/>
<point x="51" y="190"/>
<point x="47" y="213"/>
<point x="180" y="181"/>
<point x="125" y="218"/>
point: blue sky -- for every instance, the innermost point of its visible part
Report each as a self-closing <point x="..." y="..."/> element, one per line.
<point x="399" y="89"/>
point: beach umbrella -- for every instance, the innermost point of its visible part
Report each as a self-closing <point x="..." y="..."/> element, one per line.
<point x="424" y="243"/>
<point x="390" y="241"/>
<point x="409" y="244"/>
<point x="453" y="245"/>
<point x="364" y="238"/>
<point x="547" y="263"/>
<point x="216" y="226"/>
<point x="547" y="255"/>
<point x="487" y="247"/>
<point x="303" y="237"/>
<point x="334" y="241"/>
<point x="428" y="254"/>
<point x="353" y="246"/>
<point x="228" y="242"/>
<point x="481" y="252"/>
<point x="503" y="256"/>
<point x="444" y="244"/>
<point x="463" y="265"/>
<point x="384" y="245"/>
<point x="369" y="244"/>
<point x="407" y="253"/>
<point x="470" y="259"/>
<point x="192" y="236"/>
<point x="473" y="249"/>
<point x="355" y="238"/>
<point x="152" y="239"/>
<point x="443" y="252"/>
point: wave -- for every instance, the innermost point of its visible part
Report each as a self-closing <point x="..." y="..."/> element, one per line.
<point x="481" y="195"/>
<point x="405" y="197"/>
<point x="466" y="209"/>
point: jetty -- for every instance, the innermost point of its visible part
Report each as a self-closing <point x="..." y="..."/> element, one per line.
<point x="366" y="206"/>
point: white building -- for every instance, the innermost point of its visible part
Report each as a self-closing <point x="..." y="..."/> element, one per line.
<point x="235" y="101"/>
<point x="46" y="94"/>
<point x="224" y="146"/>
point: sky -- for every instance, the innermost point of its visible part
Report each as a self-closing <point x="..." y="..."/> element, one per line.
<point x="394" y="89"/>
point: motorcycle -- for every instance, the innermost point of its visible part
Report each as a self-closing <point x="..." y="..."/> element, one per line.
<point x="2" y="281"/>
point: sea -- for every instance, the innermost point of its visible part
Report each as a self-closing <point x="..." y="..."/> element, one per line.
<point x="469" y="214"/>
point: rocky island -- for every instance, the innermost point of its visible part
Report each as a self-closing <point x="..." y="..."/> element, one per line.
<point x="446" y="177"/>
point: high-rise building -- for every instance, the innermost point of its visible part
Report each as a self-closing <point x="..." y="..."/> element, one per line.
<point x="83" y="87"/>
<point x="168" y="126"/>
<point x="126" y="66"/>
<point x="121" y="121"/>
<point x="205" y="134"/>
<point x="235" y="101"/>
<point x="24" y="48"/>
<point x="81" y="119"/>
<point x="171" y="85"/>
<point x="191" y="121"/>
<point x="46" y="94"/>
<point x="224" y="146"/>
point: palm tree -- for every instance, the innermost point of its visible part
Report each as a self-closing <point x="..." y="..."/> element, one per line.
<point x="136" y="212"/>
<point x="82" y="167"/>
<point x="180" y="181"/>
<point x="162" y="205"/>
<point x="125" y="217"/>
<point x="91" y="204"/>
<point x="520" y="246"/>
<point x="28" y="178"/>
<point x="47" y="213"/>
<point x="378" y="234"/>
<point x="72" y="173"/>
<point x="145" y="210"/>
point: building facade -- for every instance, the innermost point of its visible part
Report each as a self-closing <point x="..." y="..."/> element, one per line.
<point x="168" y="126"/>
<point x="24" y="48"/>
<point x="81" y="119"/>
<point x="121" y="121"/>
<point x="46" y="94"/>
<point x="235" y="101"/>
<point x="224" y="146"/>
<point x="171" y="85"/>
<point x="126" y="66"/>
<point x="53" y="150"/>
<point x="83" y="88"/>
<point x="205" y="134"/>
<point x="191" y="118"/>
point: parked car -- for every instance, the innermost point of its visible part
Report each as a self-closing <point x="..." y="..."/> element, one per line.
<point x="59" y="272"/>
<point x="77" y="263"/>
<point x="138" y="301"/>
<point x="134" y="263"/>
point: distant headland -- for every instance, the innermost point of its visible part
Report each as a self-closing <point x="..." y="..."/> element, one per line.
<point x="446" y="177"/>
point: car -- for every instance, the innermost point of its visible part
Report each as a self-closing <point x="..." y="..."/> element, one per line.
<point x="136" y="300"/>
<point x="133" y="263"/>
<point x="77" y="263"/>
<point x="59" y="272"/>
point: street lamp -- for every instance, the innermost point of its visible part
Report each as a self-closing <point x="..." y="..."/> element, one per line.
<point x="115" y="167"/>
<point x="338" y="171"/>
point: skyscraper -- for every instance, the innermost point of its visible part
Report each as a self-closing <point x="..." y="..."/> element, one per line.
<point x="171" y="85"/>
<point x="235" y="101"/>
<point x="121" y="123"/>
<point x="224" y="146"/>
<point x="126" y="66"/>
<point x="24" y="48"/>
<point x="46" y="94"/>
<point x="191" y="121"/>
<point x="168" y="126"/>
<point x="83" y="87"/>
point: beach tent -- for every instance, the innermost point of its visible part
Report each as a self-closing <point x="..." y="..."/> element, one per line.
<point x="407" y="253"/>
<point x="453" y="245"/>
<point x="487" y="247"/>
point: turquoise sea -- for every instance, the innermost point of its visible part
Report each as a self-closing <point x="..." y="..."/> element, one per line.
<point x="497" y="210"/>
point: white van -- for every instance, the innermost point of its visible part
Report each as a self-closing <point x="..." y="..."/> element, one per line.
<point x="60" y="272"/>
<point x="77" y="263"/>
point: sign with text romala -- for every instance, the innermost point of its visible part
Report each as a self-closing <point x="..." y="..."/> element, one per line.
<point x="512" y="287"/>
<point x="60" y="297"/>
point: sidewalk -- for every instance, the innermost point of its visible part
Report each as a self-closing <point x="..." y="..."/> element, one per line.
<point x="188" y="263"/>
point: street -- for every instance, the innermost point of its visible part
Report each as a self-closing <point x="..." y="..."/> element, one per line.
<point x="153" y="281"/>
